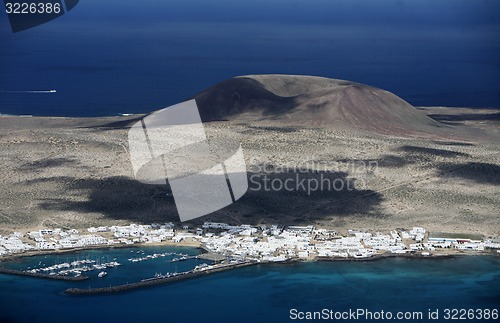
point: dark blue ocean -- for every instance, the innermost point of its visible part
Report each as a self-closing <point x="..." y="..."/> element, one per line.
<point x="264" y="293"/>
<point x="110" y="57"/>
<point x="107" y="57"/>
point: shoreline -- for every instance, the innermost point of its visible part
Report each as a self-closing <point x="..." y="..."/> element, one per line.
<point x="150" y="282"/>
<point x="191" y="275"/>
<point x="35" y="253"/>
<point x="196" y="245"/>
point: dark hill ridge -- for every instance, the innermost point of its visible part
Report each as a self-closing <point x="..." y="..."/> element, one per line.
<point x="315" y="101"/>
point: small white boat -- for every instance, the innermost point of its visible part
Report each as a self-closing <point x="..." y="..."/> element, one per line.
<point x="102" y="274"/>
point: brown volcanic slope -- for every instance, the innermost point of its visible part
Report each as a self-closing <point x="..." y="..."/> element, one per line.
<point x="316" y="101"/>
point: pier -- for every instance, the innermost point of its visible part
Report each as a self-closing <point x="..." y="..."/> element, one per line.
<point x="40" y="275"/>
<point x="184" y="258"/>
<point x="156" y="281"/>
<point x="212" y="256"/>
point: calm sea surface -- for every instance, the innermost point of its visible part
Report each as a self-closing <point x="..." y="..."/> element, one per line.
<point x="111" y="57"/>
<point x="264" y="293"/>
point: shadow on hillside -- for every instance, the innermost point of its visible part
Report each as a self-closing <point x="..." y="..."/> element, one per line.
<point x="432" y="151"/>
<point x="453" y="143"/>
<point x="304" y="197"/>
<point x="410" y="155"/>
<point x="123" y="123"/>
<point x="42" y="164"/>
<point x="483" y="173"/>
<point x="465" y="117"/>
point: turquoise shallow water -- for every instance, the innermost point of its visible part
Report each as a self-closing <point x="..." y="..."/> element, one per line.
<point x="264" y="293"/>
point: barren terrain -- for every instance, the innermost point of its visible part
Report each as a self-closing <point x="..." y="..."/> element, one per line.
<point x="64" y="172"/>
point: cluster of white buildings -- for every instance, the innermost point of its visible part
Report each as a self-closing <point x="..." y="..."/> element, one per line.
<point x="134" y="233"/>
<point x="461" y="244"/>
<point x="344" y="247"/>
<point x="267" y="244"/>
<point x="306" y="242"/>
<point x="275" y="243"/>
<point x="52" y="239"/>
<point x="417" y="234"/>
<point x="13" y="244"/>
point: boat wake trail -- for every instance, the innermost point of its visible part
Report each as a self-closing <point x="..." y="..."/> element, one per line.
<point x="42" y="91"/>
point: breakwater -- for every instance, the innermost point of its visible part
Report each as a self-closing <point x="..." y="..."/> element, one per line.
<point x="40" y="275"/>
<point x="156" y="281"/>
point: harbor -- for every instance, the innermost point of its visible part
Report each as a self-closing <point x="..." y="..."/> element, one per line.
<point x="74" y="268"/>
<point x="159" y="280"/>
<point x="261" y="287"/>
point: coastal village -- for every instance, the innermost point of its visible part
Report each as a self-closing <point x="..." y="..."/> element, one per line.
<point x="274" y="243"/>
<point x="226" y="246"/>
